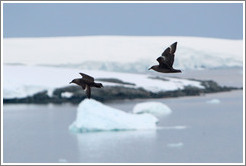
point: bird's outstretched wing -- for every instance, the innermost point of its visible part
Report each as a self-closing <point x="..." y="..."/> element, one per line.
<point x="88" y="91"/>
<point x="87" y="77"/>
<point x="167" y="57"/>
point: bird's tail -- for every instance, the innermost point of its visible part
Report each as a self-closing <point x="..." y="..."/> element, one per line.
<point x="98" y="85"/>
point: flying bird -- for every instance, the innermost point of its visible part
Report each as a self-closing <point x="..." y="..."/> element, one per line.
<point x="166" y="61"/>
<point x="86" y="82"/>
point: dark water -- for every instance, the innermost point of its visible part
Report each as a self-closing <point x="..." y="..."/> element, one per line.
<point x="196" y="131"/>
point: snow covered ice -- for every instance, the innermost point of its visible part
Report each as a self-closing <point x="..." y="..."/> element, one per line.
<point x="155" y="108"/>
<point x="95" y="116"/>
<point x="22" y="81"/>
<point x="122" y="53"/>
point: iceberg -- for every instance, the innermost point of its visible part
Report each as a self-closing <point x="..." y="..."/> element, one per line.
<point x="94" y="116"/>
<point x="155" y="108"/>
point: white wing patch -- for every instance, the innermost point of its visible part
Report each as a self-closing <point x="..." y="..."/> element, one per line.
<point x="170" y="49"/>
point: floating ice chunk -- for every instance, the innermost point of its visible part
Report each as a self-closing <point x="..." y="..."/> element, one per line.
<point x="95" y="116"/>
<point x="175" y="145"/>
<point x="213" y="101"/>
<point x="155" y="108"/>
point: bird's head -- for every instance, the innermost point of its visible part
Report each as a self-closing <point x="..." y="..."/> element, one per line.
<point x="75" y="81"/>
<point x="151" y="68"/>
<point x="71" y="82"/>
<point x="155" y="67"/>
<point x="179" y="71"/>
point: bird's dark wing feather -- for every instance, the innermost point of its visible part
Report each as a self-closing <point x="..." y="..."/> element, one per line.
<point x="163" y="63"/>
<point x="83" y="85"/>
<point x="87" y="77"/>
<point x="166" y="52"/>
<point x="88" y="91"/>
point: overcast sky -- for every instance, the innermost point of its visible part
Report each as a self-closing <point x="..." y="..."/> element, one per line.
<point x="138" y="19"/>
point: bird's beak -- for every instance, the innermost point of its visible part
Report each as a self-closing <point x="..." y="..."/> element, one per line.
<point x="149" y="68"/>
<point x="70" y="82"/>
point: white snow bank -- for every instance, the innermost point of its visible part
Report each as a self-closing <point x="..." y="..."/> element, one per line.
<point x="21" y="81"/>
<point x="213" y="101"/>
<point x="123" y="53"/>
<point x="155" y="108"/>
<point x="95" y="116"/>
<point x="66" y="94"/>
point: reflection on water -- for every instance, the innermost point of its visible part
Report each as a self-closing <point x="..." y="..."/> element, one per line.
<point x="112" y="146"/>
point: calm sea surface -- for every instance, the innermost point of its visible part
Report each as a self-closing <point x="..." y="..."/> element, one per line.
<point x="196" y="131"/>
